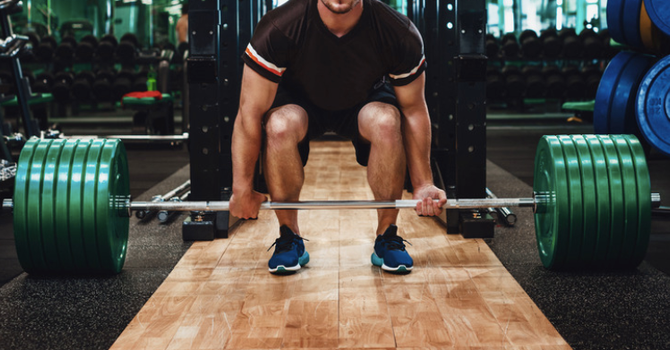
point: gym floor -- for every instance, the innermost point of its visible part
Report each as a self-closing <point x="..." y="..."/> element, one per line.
<point x="590" y="309"/>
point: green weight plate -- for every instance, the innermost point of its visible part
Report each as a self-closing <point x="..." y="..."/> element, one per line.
<point x="89" y="204"/>
<point x="574" y="177"/>
<point x="552" y="216"/>
<point x="630" y="200"/>
<point x="617" y="212"/>
<point x="48" y="210"/>
<point x="644" y="200"/>
<point x="62" y="200"/>
<point x="34" y="208"/>
<point x="113" y="187"/>
<point x="21" y="200"/>
<point x="589" y="199"/>
<point x="603" y="216"/>
<point x="76" y="205"/>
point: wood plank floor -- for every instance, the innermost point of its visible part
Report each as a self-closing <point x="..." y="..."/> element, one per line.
<point x="221" y="296"/>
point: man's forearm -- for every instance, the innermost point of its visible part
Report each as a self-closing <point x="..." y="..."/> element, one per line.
<point x="246" y="145"/>
<point x="417" y="138"/>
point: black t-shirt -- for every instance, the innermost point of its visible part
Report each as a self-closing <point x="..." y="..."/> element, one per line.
<point x="292" y="46"/>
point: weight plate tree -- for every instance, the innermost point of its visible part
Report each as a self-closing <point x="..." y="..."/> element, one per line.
<point x="653" y="106"/>
<point x="623" y="21"/>
<point x="592" y="202"/>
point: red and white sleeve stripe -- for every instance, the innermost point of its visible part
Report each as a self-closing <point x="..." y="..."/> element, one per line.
<point x="269" y="66"/>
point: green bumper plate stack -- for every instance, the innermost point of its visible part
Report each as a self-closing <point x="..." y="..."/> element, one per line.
<point x="596" y="201"/>
<point x="69" y="214"/>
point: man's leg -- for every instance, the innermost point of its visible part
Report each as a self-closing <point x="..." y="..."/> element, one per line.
<point x="285" y="127"/>
<point x="380" y="124"/>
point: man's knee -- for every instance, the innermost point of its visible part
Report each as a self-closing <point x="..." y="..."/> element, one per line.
<point x="286" y="124"/>
<point x="380" y="121"/>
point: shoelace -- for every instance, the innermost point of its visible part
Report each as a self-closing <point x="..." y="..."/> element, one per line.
<point x="285" y="244"/>
<point x="394" y="243"/>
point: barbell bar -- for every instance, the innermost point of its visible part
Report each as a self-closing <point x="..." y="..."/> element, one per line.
<point x="124" y="203"/>
<point x="592" y="203"/>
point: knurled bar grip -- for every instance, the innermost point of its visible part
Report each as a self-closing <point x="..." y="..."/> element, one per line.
<point x="314" y="205"/>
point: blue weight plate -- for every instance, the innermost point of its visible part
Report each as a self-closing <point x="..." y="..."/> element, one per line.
<point x="608" y="82"/>
<point x="659" y="12"/>
<point x="631" y="23"/>
<point x="653" y="106"/>
<point x="614" y="111"/>
<point x="615" y="19"/>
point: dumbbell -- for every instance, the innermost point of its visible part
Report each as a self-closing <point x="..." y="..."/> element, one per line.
<point x="492" y="46"/>
<point x="556" y="85"/>
<point x="515" y="84"/>
<point x="552" y="46"/>
<point x="102" y="86"/>
<point x="495" y="82"/>
<point x="535" y="84"/>
<point x="27" y="55"/>
<point x="46" y="48"/>
<point x="122" y="84"/>
<point x="127" y="49"/>
<point x="531" y="46"/>
<point x="86" y="48"/>
<point x="593" y="45"/>
<point x="572" y="45"/>
<point x="574" y="81"/>
<point x="81" y="87"/>
<point x="65" y="51"/>
<point x="510" y="46"/>
<point x="107" y="48"/>
<point x="61" y="87"/>
<point x="592" y="75"/>
<point x="43" y="82"/>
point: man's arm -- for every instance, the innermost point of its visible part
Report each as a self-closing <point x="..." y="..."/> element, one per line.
<point x="417" y="138"/>
<point x="256" y="97"/>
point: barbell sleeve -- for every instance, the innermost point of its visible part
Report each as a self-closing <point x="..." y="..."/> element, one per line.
<point x="141" y="214"/>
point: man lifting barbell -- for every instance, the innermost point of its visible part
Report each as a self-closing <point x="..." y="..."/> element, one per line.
<point x="355" y="67"/>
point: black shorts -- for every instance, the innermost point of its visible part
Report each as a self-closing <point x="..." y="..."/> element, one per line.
<point x="344" y="123"/>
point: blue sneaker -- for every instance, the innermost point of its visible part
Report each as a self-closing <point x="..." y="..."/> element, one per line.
<point x="390" y="252"/>
<point x="290" y="253"/>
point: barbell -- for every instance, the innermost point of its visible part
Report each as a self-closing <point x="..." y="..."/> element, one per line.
<point x="591" y="197"/>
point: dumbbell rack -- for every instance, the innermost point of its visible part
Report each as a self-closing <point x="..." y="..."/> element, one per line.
<point x="8" y="7"/>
